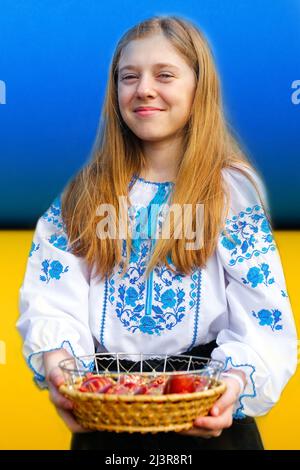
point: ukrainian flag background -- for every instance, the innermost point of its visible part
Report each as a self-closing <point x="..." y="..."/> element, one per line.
<point x="53" y="70"/>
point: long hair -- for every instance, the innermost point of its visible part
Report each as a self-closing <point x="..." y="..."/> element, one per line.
<point x="208" y="148"/>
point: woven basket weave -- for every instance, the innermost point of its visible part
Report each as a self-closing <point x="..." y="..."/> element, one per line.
<point x="140" y="413"/>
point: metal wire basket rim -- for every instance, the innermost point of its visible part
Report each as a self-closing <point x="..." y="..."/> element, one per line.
<point x="211" y="363"/>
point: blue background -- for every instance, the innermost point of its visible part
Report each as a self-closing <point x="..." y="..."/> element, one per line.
<point x="54" y="61"/>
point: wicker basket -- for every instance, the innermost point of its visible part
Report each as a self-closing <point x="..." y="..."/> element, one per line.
<point x="141" y="413"/>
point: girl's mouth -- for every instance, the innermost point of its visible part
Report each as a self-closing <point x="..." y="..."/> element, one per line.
<point x="147" y="112"/>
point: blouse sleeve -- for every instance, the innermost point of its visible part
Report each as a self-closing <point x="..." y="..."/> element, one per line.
<point x="260" y="336"/>
<point x="53" y="299"/>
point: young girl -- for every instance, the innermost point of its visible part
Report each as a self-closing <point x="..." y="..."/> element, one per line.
<point x="163" y="141"/>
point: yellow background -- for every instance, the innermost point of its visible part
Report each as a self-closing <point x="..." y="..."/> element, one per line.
<point x="29" y="420"/>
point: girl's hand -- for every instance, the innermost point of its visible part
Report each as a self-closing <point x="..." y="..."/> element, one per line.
<point x="220" y="415"/>
<point x="54" y="377"/>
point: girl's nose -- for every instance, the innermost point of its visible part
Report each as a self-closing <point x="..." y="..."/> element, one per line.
<point x="145" y="88"/>
<point x="145" y="92"/>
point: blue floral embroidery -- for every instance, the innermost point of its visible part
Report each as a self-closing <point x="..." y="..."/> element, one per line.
<point x="248" y="234"/>
<point x="53" y="214"/>
<point x="265" y="227"/>
<point x="283" y="293"/>
<point x="129" y="304"/>
<point x="269" y="318"/>
<point x="259" y="275"/>
<point x="137" y="262"/>
<point x="131" y="296"/>
<point x="169" y="306"/>
<point x="148" y="325"/>
<point x="239" y="413"/>
<point x="52" y="270"/>
<point x="195" y="296"/>
<point x="170" y="311"/>
<point x="167" y="276"/>
<point x="59" y="241"/>
<point x="230" y="244"/>
<point x="136" y="268"/>
<point x="33" y="248"/>
<point x="155" y="305"/>
<point x="102" y="327"/>
<point x="168" y="298"/>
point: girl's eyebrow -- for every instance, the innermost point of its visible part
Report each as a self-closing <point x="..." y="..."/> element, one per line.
<point x="158" y="65"/>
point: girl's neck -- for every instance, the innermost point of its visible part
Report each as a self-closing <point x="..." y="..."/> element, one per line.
<point x="162" y="159"/>
<point x="157" y="177"/>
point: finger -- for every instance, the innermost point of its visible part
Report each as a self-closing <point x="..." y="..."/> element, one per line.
<point x="195" y="434"/>
<point x="206" y="434"/>
<point x="58" y="399"/>
<point x="212" y="423"/>
<point x="70" y="421"/>
<point x="226" y="400"/>
<point x="56" y="377"/>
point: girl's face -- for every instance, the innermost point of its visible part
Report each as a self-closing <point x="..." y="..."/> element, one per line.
<point x="152" y="74"/>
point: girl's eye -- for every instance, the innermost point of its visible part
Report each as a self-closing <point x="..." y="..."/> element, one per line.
<point x="165" y="75"/>
<point x="128" y="77"/>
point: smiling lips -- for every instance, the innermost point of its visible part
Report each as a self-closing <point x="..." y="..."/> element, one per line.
<point x="146" y="111"/>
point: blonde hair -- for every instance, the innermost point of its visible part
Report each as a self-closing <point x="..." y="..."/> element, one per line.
<point x="208" y="148"/>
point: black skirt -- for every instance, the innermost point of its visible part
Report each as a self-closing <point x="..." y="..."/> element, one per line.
<point x="242" y="435"/>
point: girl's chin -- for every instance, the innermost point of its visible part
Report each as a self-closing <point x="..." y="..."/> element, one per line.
<point x="153" y="138"/>
<point x="152" y="134"/>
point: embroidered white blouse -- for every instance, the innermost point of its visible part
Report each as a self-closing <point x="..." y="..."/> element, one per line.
<point x="239" y="299"/>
